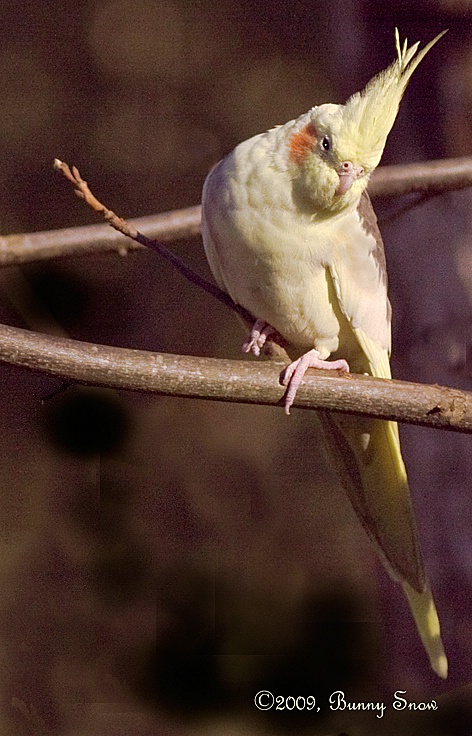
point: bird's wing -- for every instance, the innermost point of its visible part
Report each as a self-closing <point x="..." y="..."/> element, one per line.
<point x="210" y="190"/>
<point x="359" y="275"/>
<point x="366" y="452"/>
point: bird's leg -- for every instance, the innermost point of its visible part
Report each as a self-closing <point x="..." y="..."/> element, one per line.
<point x="294" y="373"/>
<point x="257" y="337"/>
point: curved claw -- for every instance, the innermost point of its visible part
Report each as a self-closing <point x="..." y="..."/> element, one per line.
<point x="255" y="341"/>
<point x="294" y="373"/>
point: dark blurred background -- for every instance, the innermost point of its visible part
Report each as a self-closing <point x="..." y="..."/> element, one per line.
<point x="162" y="560"/>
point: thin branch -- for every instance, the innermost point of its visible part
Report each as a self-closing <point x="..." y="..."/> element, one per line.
<point x="274" y="345"/>
<point x="412" y="204"/>
<point x="223" y="380"/>
<point x="87" y="239"/>
<point x="235" y="381"/>
<point x="432" y="176"/>
<point x="118" y="223"/>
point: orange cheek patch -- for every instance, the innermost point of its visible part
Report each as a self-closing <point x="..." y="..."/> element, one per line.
<point x="302" y="143"/>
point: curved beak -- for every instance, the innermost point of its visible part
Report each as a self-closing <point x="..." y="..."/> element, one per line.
<point x="348" y="173"/>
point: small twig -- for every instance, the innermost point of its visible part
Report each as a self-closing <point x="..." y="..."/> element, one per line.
<point x="428" y="179"/>
<point x="118" y="223"/>
<point x="434" y="176"/>
<point x="242" y="381"/>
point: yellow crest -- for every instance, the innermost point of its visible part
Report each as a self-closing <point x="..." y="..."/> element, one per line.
<point x="368" y="116"/>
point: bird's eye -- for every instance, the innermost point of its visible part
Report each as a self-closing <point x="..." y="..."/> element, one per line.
<point x="326" y="143"/>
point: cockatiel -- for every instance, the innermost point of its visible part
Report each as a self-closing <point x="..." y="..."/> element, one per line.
<point x="290" y="234"/>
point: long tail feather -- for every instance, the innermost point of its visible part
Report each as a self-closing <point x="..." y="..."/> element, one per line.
<point x="366" y="454"/>
<point x="427" y="622"/>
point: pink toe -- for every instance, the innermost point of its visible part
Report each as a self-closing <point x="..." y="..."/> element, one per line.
<point x="295" y="372"/>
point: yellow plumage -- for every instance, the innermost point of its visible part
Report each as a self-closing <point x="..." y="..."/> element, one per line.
<point x="291" y="235"/>
<point x="368" y="116"/>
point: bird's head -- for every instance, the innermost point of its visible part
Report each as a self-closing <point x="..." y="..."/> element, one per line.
<point x="334" y="148"/>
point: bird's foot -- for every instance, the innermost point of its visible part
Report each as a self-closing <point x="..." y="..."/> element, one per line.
<point x="294" y="373"/>
<point x="255" y="341"/>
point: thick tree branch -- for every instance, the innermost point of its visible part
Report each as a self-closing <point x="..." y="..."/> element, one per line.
<point x="240" y="381"/>
<point x="236" y="381"/>
<point x="433" y="177"/>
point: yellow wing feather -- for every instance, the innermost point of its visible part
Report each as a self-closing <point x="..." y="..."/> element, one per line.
<point x="367" y="455"/>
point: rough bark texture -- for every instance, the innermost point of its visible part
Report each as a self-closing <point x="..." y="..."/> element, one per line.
<point x="231" y="380"/>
